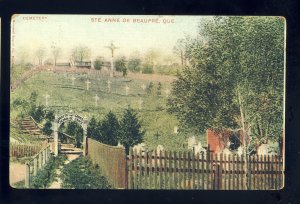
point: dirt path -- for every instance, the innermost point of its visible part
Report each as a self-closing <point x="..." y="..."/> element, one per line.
<point x="16" y="172"/>
<point x="57" y="184"/>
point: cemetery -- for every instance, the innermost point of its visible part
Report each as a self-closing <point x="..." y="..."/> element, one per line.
<point x="199" y="125"/>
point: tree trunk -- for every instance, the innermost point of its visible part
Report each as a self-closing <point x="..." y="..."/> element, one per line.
<point x="245" y="145"/>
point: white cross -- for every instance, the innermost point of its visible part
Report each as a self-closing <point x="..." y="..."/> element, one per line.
<point x="96" y="99"/>
<point x="108" y="85"/>
<point x="87" y="84"/>
<point x="143" y="87"/>
<point x="73" y="80"/>
<point x="175" y="129"/>
<point x="167" y="91"/>
<point x="140" y="103"/>
<point x="126" y="90"/>
<point x="46" y="97"/>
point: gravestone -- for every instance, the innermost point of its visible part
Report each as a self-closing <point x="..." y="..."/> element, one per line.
<point x="96" y="100"/>
<point x="126" y="90"/>
<point x="87" y="84"/>
<point x="140" y="103"/>
<point x="167" y="91"/>
<point x="73" y="80"/>
<point x="109" y="85"/>
<point x="47" y="96"/>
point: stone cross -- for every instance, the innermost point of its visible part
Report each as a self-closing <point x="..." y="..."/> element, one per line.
<point x="140" y="103"/>
<point x="126" y="90"/>
<point x="108" y="85"/>
<point x="87" y="84"/>
<point x="143" y="87"/>
<point x="112" y="48"/>
<point x="96" y="100"/>
<point x="46" y="97"/>
<point x="175" y="129"/>
<point x="167" y="91"/>
<point x="73" y="80"/>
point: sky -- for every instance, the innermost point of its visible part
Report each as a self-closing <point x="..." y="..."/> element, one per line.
<point x="30" y="32"/>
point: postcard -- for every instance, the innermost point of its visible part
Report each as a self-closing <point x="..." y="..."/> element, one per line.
<point x="147" y="102"/>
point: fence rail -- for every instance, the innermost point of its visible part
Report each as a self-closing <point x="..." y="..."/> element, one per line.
<point x="185" y="170"/>
<point x="36" y="164"/>
<point x="24" y="150"/>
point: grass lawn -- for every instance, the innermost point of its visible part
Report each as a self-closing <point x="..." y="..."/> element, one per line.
<point x="65" y="97"/>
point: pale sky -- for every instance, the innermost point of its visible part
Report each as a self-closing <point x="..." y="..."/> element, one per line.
<point x="69" y="31"/>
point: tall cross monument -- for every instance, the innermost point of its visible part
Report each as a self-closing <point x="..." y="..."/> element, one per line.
<point x="112" y="48"/>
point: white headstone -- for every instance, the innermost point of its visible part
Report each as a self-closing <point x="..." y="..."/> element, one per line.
<point x="175" y="129"/>
<point x="143" y="87"/>
<point x="87" y="84"/>
<point x="47" y="96"/>
<point x="126" y="90"/>
<point x="140" y="103"/>
<point x="108" y="85"/>
<point x="73" y="80"/>
<point x="167" y="91"/>
<point x="96" y="100"/>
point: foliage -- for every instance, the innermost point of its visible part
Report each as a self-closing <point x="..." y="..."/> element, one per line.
<point x="99" y="63"/>
<point x="120" y="64"/>
<point x="235" y="76"/>
<point x="37" y="113"/>
<point x="80" y="53"/>
<point x="46" y="176"/>
<point x="50" y="115"/>
<point x="47" y="129"/>
<point x="109" y="129"/>
<point x="74" y="129"/>
<point x="134" y="65"/>
<point x="148" y="69"/>
<point x="159" y="87"/>
<point x="81" y="174"/>
<point x="150" y="88"/>
<point x="131" y="132"/>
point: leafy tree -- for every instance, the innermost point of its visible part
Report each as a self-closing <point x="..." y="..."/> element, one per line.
<point x="131" y="132"/>
<point x="150" y="88"/>
<point x="235" y="77"/>
<point x="50" y="115"/>
<point x="47" y="129"/>
<point x="120" y="64"/>
<point x="37" y="113"/>
<point x="158" y="92"/>
<point x="80" y="53"/>
<point x="148" y="69"/>
<point x="134" y="65"/>
<point x="92" y="129"/>
<point x="74" y="129"/>
<point x="109" y="129"/>
<point x="99" y="63"/>
<point x="40" y="54"/>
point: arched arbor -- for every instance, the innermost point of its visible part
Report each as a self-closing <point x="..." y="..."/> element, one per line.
<point x="59" y="120"/>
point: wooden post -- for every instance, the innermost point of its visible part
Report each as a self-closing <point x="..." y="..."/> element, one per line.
<point x="202" y="169"/>
<point x="129" y="172"/>
<point x="175" y="170"/>
<point x="165" y="170"/>
<point x="198" y="170"/>
<point x="160" y="169"/>
<point x="233" y="173"/>
<point x="140" y="169"/>
<point x="180" y="170"/>
<point x="229" y="172"/>
<point x="170" y="170"/>
<point x="238" y="172"/>
<point x="35" y="166"/>
<point x="155" y="169"/>
<point x="184" y="170"/>
<point x="40" y="161"/>
<point x="27" y="175"/>
<point x="150" y="168"/>
<point x="135" y="169"/>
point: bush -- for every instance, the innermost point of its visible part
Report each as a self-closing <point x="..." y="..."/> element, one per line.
<point x="134" y="65"/>
<point x="37" y="113"/>
<point x="99" y="63"/>
<point x="148" y="69"/>
<point x="81" y="174"/>
<point x="47" y="129"/>
<point x="46" y="176"/>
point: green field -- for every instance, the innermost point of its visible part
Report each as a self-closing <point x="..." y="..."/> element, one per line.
<point x="65" y="97"/>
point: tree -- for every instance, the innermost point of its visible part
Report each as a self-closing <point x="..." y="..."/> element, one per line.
<point x="80" y="53"/>
<point x="120" y="64"/>
<point x="56" y="52"/>
<point x="92" y="129"/>
<point x="235" y="78"/>
<point x="148" y="69"/>
<point x="180" y="49"/>
<point x="109" y="129"/>
<point x="158" y="92"/>
<point x="99" y="63"/>
<point x="47" y="129"/>
<point x="40" y="54"/>
<point x="150" y="88"/>
<point x="74" y="129"/>
<point x="151" y="59"/>
<point x="134" y="65"/>
<point x="131" y="132"/>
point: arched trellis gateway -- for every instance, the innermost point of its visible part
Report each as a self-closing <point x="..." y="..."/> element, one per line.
<point x="59" y="120"/>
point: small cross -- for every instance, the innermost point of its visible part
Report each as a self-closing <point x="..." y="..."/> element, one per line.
<point x="87" y="84"/>
<point x="46" y="97"/>
<point x="143" y="87"/>
<point x="73" y="80"/>
<point x="167" y="91"/>
<point x="140" y="103"/>
<point x="108" y="85"/>
<point x="127" y="90"/>
<point x="96" y="99"/>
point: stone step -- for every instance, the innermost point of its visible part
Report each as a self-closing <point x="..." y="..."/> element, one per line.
<point x="71" y="152"/>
